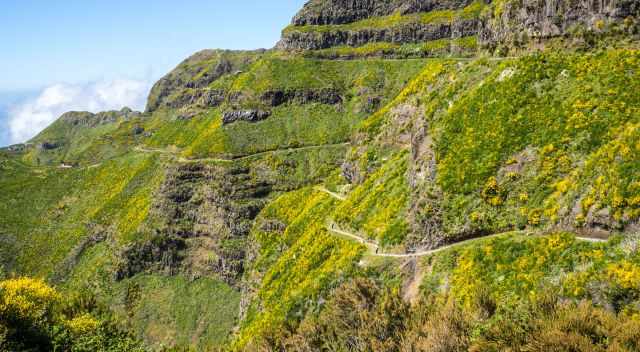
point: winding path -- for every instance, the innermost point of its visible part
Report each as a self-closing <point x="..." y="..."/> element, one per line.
<point x="244" y="157"/>
<point x="332" y="194"/>
<point x="374" y="247"/>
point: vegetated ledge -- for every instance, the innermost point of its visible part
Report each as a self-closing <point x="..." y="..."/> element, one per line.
<point x="396" y="28"/>
<point x="460" y="47"/>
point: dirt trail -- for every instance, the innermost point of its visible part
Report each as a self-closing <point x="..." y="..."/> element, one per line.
<point x="374" y="247"/>
<point x="186" y="160"/>
<point x="332" y="194"/>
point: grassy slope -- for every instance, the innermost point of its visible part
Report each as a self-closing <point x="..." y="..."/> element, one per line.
<point x="295" y="268"/>
<point x="576" y="113"/>
<point x="82" y="144"/>
<point x="50" y="210"/>
<point x="65" y="206"/>
<point x="516" y="270"/>
<point x="291" y="125"/>
<point x="544" y="140"/>
<point x="174" y="311"/>
<point x="115" y="194"/>
<point x="377" y="207"/>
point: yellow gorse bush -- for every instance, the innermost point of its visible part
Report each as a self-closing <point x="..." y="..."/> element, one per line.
<point x="625" y="274"/>
<point x="27" y="299"/>
<point x="83" y="324"/>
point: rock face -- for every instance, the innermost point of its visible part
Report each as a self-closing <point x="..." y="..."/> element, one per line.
<point x="324" y="12"/>
<point x="188" y="84"/>
<point x="244" y="115"/>
<point x="504" y="21"/>
<point x="323" y="96"/>
<point x="552" y="18"/>
<point x="338" y="12"/>
<point x="162" y="254"/>
<point x="410" y="33"/>
<point x="49" y="145"/>
<point x="203" y="209"/>
<point x="15" y="148"/>
<point x="87" y="119"/>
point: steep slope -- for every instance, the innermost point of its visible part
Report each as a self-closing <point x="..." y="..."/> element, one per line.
<point x="216" y="218"/>
<point x="159" y="205"/>
<point x="535" y="141"/>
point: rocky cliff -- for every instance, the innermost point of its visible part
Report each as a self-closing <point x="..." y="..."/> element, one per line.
<point x="325" y="12"/>
<point x="516" y="21"/>
<point x="326" y="24"/>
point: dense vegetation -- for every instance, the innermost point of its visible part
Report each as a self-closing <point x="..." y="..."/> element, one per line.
<point x="36" y="317"/>
<point x="509" y="293"/>
<point x="270" y="200"/>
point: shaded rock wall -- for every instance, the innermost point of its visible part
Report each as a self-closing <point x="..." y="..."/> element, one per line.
<point x="410" y="33"/>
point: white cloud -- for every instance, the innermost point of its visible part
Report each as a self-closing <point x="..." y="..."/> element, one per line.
<point x="32" y="116"/>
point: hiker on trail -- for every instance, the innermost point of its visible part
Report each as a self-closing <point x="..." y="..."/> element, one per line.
<point x="377" y="249"/>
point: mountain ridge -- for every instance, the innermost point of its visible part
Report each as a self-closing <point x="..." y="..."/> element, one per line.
<point x="201" y="222"/>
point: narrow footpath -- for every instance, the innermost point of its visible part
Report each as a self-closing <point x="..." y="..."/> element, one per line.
<point x="244" y="157"/>
<point x="374" y="248"/>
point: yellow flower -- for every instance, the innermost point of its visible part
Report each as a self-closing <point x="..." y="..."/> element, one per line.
<point x="625" y="274"/>
<point x="28" y="299"/>
<point x="83" y="324"/>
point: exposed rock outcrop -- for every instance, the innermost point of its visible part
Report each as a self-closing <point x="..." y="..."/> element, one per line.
<point x="206" y="214"/>
<point x="324" y="96"/>
<point x="49" y="145"/>
<point x="162" y="254"/>
<point x="16" y="148"/>
<point x="504" y="22"/>
<point x="188" y="84"/>
<point x="542" y="19"/>
<point x="409" y="33"/>
<point x="230" y="117"/>
<point x="87" y="119"/>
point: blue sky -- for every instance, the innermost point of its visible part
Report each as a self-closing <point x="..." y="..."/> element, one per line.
<point x="44" y="42"/>
<point x="83" y="46"/>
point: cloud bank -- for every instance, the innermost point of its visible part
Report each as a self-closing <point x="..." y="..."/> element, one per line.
<point x="33" y="115"/>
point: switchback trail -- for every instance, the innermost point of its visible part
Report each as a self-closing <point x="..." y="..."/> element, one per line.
<point x="332" y="194"/>
<point x="244" y="157"/>
<point x="374" y="248"/>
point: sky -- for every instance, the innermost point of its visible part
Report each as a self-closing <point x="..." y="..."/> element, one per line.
<point x="99" y="54"/>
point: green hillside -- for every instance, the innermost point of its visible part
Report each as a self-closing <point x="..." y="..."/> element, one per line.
<point x="474" y="191"/>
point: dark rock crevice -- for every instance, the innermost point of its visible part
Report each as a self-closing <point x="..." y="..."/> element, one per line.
<point x="230" y="117"/>
<point x="327" y="96"/>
